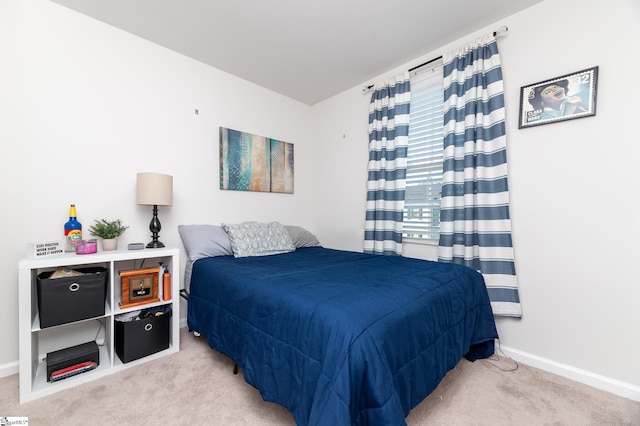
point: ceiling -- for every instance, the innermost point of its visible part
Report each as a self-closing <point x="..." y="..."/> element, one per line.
<point x="306" y="50"/>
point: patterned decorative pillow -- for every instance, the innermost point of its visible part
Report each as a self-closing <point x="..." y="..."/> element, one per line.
<point x="258" y="239"/>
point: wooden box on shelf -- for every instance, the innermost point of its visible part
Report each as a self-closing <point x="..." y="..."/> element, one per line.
<point x="139" y="287"/>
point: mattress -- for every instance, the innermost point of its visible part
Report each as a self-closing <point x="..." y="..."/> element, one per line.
<point x="340" y="337"/>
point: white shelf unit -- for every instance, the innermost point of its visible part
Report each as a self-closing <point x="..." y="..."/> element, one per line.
<point x="36" y="342"/>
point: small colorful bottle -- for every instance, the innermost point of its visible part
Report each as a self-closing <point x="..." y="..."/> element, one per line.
<point x="72" y="231"/>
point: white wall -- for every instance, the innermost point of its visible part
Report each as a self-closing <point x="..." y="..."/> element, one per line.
<point x="79" y="92"/>
<point x="89" y="106"/>
<point x="573" y="188"/>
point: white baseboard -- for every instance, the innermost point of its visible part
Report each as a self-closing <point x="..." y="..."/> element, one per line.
<point x="9" y="369"/>
<point x="607" y="384"/>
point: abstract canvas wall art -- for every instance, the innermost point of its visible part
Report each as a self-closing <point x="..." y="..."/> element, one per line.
<point x="255" y="163"/>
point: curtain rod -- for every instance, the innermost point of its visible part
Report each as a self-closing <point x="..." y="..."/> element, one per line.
<point x="500" y="31"/>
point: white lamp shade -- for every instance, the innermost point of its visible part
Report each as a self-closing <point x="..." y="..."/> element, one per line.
<point x="154" y="189"/>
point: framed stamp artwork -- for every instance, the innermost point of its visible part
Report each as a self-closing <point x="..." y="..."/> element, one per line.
<point x="562" y="98"/>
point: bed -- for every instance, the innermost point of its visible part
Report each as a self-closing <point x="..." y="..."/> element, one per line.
<point x="339" y="337"/>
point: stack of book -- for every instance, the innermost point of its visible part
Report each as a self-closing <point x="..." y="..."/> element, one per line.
<point x="63" y="373"/>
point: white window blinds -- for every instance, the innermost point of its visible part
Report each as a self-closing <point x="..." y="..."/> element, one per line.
<point x="424" y="157"/>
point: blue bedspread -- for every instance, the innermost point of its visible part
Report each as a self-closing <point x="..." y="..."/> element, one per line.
<point x="341" y="337"/>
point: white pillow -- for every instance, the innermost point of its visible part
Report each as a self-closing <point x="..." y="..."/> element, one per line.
<point x="258" y="239"/>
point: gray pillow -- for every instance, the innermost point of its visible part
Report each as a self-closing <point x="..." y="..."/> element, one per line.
<point x="204" y="241"/>
<point x="258" y="239"/>
<point x="301" y="237"/>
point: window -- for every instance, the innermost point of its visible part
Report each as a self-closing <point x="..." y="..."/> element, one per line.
<point x="424" y="157"/>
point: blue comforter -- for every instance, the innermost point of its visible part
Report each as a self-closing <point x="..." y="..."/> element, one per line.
<point x="341" y="337"/>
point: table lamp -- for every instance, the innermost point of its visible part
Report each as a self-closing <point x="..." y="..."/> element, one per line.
<point x="154" y="189"/>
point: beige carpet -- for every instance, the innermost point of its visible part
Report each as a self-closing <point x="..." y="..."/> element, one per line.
<point x="196" y="386"/>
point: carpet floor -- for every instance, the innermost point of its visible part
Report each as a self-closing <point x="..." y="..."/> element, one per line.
<point x="196" y="386"/>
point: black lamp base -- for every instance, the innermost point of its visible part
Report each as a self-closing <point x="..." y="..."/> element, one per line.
<point x="155" y="227"/>
<point x="155" y="244"/>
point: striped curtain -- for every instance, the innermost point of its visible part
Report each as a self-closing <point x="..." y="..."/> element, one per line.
<point x="475" y="226"/>
<point x="388" y="140"/>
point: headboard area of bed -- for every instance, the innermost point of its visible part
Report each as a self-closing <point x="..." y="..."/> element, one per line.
<point x="241" y="240"/>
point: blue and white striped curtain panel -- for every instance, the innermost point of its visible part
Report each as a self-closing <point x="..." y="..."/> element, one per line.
<point x="475" y="226"/>
<point x="388" y="141"/>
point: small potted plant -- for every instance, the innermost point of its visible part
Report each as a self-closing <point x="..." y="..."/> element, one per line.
<point x="108" y="230"/>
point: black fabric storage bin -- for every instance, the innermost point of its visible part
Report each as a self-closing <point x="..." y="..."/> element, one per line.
<point x="139" y="338"/>
<point x="68" y="299"/>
